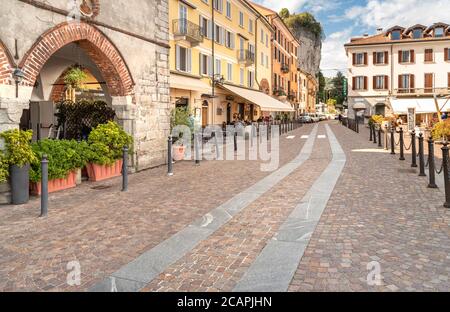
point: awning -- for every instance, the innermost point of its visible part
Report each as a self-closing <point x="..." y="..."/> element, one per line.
<point x="422" y="106"/>
<point x="188" y="83"/>
<point x="264" y="101"/>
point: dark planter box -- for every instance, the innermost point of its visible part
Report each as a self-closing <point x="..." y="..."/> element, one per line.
<point x="20" y="184"/>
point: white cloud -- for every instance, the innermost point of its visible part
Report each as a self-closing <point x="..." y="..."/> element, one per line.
<point x="384" y="14"/>
<point x="333" y="53"/>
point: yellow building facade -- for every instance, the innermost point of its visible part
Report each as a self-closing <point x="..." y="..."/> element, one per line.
<point x="220" y="60"/>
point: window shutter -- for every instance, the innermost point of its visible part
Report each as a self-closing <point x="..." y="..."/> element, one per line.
<point x="365" y="58"/>
<point x="446" y="54"/>
<point x="412" y="58"/>
<point x="365" y="82"/>
<point x="400" y="82"/>
<point x="200" y="24"/>
<point x="374" y="82"/>
<point x="448" y="80"/>
<point x="375" y="58"/>
<point x="189" y="61"/>
<point x="353" y="81"/>
<point x="200" y="57"/>
<point x="177" y="57"/>
<point x="354" y="58"/>
<point x="209" y="30"/>
<point x="386" y="57"/>
<point x="223" y="35"/>
<point x="386" y="82"/>
<point x="210" y="66"/>
<point x="411" y="81"/>
<point x="400" y="56"/>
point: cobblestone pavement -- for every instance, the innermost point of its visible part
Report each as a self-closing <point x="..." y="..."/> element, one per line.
<point x="380" y="213"/>
<point x="104" y="229"/>
<point x="218" y="263"/>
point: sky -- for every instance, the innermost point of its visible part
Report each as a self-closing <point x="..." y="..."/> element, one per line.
<point x="343" y="19"/>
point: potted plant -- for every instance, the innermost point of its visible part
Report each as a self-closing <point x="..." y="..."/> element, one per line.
<point x="106" y="143"/>
<point x="19" y="155"/>
<point x="180" y="117"/>
<point x="441" y="131"/>
<point x="65" y="158"/>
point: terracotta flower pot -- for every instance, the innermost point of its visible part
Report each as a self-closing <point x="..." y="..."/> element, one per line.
<point x="102" y="172"/>
<point x="178" y="152"/>
<point x="55" y="185"/>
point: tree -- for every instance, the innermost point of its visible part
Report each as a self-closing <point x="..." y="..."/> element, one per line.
<point x="284" y="13"/>
<point x="322" y="84"/>
<point x="306" y="21"/>
<point x="338" y="87"/>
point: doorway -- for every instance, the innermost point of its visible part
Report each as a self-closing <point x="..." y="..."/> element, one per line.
<point x="205" y="112"/>
<point x="229" y="113"/>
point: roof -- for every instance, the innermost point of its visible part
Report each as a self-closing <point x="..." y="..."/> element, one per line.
<point x="423" y="27"/>
<point x="384" y="39"/>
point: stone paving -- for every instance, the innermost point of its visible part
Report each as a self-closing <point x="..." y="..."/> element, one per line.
<point x="381" y="214"/>
<point x="104" y="229"/>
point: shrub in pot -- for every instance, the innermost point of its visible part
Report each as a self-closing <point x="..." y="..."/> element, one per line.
<point x="106" y="143"/>
<point x="441" y="130"/>
<point x="180" y="117"/>
<point x="19" y="155"/>
<point x="64" y="158"/>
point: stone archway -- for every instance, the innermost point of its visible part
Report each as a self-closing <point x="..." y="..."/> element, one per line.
<point x="93" y="42"/>
<point x="6" y="65"/>
<point x="264" y="86"/>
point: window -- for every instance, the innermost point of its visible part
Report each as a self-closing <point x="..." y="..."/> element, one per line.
<point x="447" y="54"/>
<point x="380" y="58"/>
<point x="448" y="80"/>
<point x="396" y="35"/>
<point x="251" y="79"/>
<point x="229" y="72"/>
<point x="267" y="61"/>
<point x="229" y="9"/>
<point x="359" y="58"/>
<point x="241" y="76"/>
<point x="439" y="32"/>
<point x="267" y="40"/>
<point x="205" y="26"/>
<point x="406" y="56"/>
<point x="218" y="5"/>
<point x="218" y="67"/>
<point x="380" y="82"/>
<point x="183" y="59"/>
<point x="429" y="82"/>
<point x="241" y="19"/>
<point x="182" y="15"/>
<point x="262" y="58"/>
<point x="250" y="26"/>
<point x="205" y="65"/>
<point x="229" y="39"/>
<point x="262" y="36"/>
<point x="276" y="52"/>
<point x="417" y="33"/>
<point x="359" y="83"/>
<point x="405" y="83"/>
<point x="219" y="35"/>
<point x="428" y="55"/>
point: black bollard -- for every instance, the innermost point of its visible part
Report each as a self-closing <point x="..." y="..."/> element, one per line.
<point x="421" y="157"/>
<point x="385" y="136"/>
<point x="431" y="173"/>
<point x="445" y="174"/>
<point x="268" y="131"/>
<point x="169" y="157"/>
<point x="413" y="149"/>
<point x="371" y="132"/>
<point x="125" y="169"/>
<point x="374" y="135"/>
<point x="235" y="139"/>
<point x="44" y="186"/>
<point x="197" y="149"/>
<point x="379" y="136"/>
<point x="392" y="141"/>
<point x="402" y="144"/>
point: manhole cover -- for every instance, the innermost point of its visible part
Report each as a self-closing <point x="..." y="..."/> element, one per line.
<point x="407" y="170"/>
<point x="101" y="187"/>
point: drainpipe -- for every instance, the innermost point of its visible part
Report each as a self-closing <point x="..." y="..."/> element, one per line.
<point x="256" y="52"/>
<point x="213" y="25"/>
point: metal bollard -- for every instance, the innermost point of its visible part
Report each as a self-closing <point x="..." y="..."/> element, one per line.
<point x="421" y="157"/>
<point x="385" y="137"/>
<point x="169" y="157"/>
<point x="374" y="135"/>
<point x="431" y="166"/>
<point x="44" y="186"/>
<point x="125" y="169"/>
<point x="392" y="141"/>
<point x="268" y="131"/>
<point x="445" y="174"/>
<point x="402" y="144"/>
<point x="197" y="149"/>
<point x="379" y="136"/>
<point x="371" y="132"/>
<point x="413" y="149"/>
<point x="235" y="140"/>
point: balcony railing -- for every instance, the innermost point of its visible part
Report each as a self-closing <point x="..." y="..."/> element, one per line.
<point x="292" y="96"/>
<point x="186" y="30"/>
<point x="421" y="91"/>
<point x="279" y="91"/>
<point x="246" y="57"/>
<point x="284" y="68"/>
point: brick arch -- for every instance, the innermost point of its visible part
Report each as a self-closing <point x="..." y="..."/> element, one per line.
<point x="6" y="64"/>
<point x="93" y="42"/>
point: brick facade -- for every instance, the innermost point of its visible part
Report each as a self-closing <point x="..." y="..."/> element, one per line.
<point x="6" y="65"/>
<point x="93" y="42"/>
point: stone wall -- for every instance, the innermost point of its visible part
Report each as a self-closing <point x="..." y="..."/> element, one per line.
<point x="310" y="50"/>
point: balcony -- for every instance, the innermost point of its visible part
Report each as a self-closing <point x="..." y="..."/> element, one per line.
<point x="292" y="96"/>
<point x="421" y="91"/>
<point x="184" y="30"/>
<point x="279" y="91"/>
<point x="284" y="68"/>
<point x="246" y="57"/>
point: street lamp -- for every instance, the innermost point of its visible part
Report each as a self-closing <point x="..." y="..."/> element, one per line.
<point x="356" y="108"/>
<point x="18" y="76"/>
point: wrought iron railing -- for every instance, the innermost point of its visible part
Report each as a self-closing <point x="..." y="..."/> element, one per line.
<point x="190" y="31"/>
<point x="246" y="56"/>
<point x="284" y="68"/>
<point x="421" y="91"/>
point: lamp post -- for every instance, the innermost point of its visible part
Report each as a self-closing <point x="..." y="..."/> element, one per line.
<point x="18" y="76"/>
<point x="356" y="108"/>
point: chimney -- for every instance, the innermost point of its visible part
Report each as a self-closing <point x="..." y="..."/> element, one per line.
<point x="379" y="30"/>
<point x="366" y="35"/>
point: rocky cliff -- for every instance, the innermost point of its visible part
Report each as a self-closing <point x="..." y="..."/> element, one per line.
<point x="310" y="50"/>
